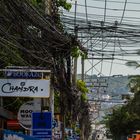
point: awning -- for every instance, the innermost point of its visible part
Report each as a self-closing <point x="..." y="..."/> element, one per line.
<point x="6" y="114"/>
<point x="13" y="125"/>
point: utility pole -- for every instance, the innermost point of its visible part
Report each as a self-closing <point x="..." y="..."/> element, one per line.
<point x="75" y="60"/>
<point x="83" y="65"/>
<point x="75" y="71"/>
<point x="48" y="11"/>
<point x="76" y="34"/>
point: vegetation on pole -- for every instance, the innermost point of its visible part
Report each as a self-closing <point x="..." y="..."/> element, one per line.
<point x="63" y="3"/>
<point x="77" y="52"/>
<point x="60" y="3"/>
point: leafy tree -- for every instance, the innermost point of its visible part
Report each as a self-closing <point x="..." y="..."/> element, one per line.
<point x="121" y="122"/>
<point x="126" y="119"/>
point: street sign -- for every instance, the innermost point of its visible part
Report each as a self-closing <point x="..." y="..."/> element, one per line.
<point x="43" y="134"/>
<point x="25" y="112"/>
<point x="41" y="120"/>
<point x="42" y="125"/>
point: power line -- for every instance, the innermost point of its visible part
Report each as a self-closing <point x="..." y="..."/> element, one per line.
<point x="130" y="2"/>
<point x="111" y="9"/>
<point x="127" y="33"/>
<point x="86" y="11"/>
<point x="123" y="11"/>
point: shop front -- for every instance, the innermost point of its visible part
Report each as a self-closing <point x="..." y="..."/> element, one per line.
<point x="5" y="115"/>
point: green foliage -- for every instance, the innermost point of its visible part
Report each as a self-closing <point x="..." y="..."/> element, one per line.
<point x="36" y="2"/>
<point x="13" y="104"/>
<point x="56" y="102"/>
<point x="134" y="83"/>
<point x="121" y="122"/>
<point x="10" y="56"/>
<point x="77" y="130"/>
<point x="39" y="4"/>
<point x="64" y="4"/>
<point x="126" y="119"/>
<point x="83" y="97"/>
<point x="82" y="86"/>
<point x="76" y="52"/>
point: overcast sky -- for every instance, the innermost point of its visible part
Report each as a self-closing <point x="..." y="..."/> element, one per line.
<point x="127" y="14"/>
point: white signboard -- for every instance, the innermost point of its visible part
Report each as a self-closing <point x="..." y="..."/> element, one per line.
<point x="25" y="88"/>
<point x="25" y="112"/>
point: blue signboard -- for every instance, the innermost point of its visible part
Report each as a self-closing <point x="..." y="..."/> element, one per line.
<point x="42" y="133"/>
<point x="23" y="74"/>
<point x="42" y="125"/>
<point x="41" y="120"/>
<point x="10" y="135"/>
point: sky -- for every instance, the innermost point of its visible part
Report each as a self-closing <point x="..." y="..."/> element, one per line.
<point x="118" y="68"/>
<point x="127" y="15"/>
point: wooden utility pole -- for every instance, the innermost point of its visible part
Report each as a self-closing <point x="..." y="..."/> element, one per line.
<point x="83" y="65"/>
<point x="48" y="10"/>
<point x="74" y="71"/>
<point x="75" y="59"/>
<point x="49" y="102"/>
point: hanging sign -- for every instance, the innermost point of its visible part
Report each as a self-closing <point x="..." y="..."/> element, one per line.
<point x="24" y="88"/>
<point x="22" y="74"/>
<point x="25" y="112"/>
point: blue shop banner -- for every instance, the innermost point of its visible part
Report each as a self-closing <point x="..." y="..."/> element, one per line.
<point x="10" y="135"/>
